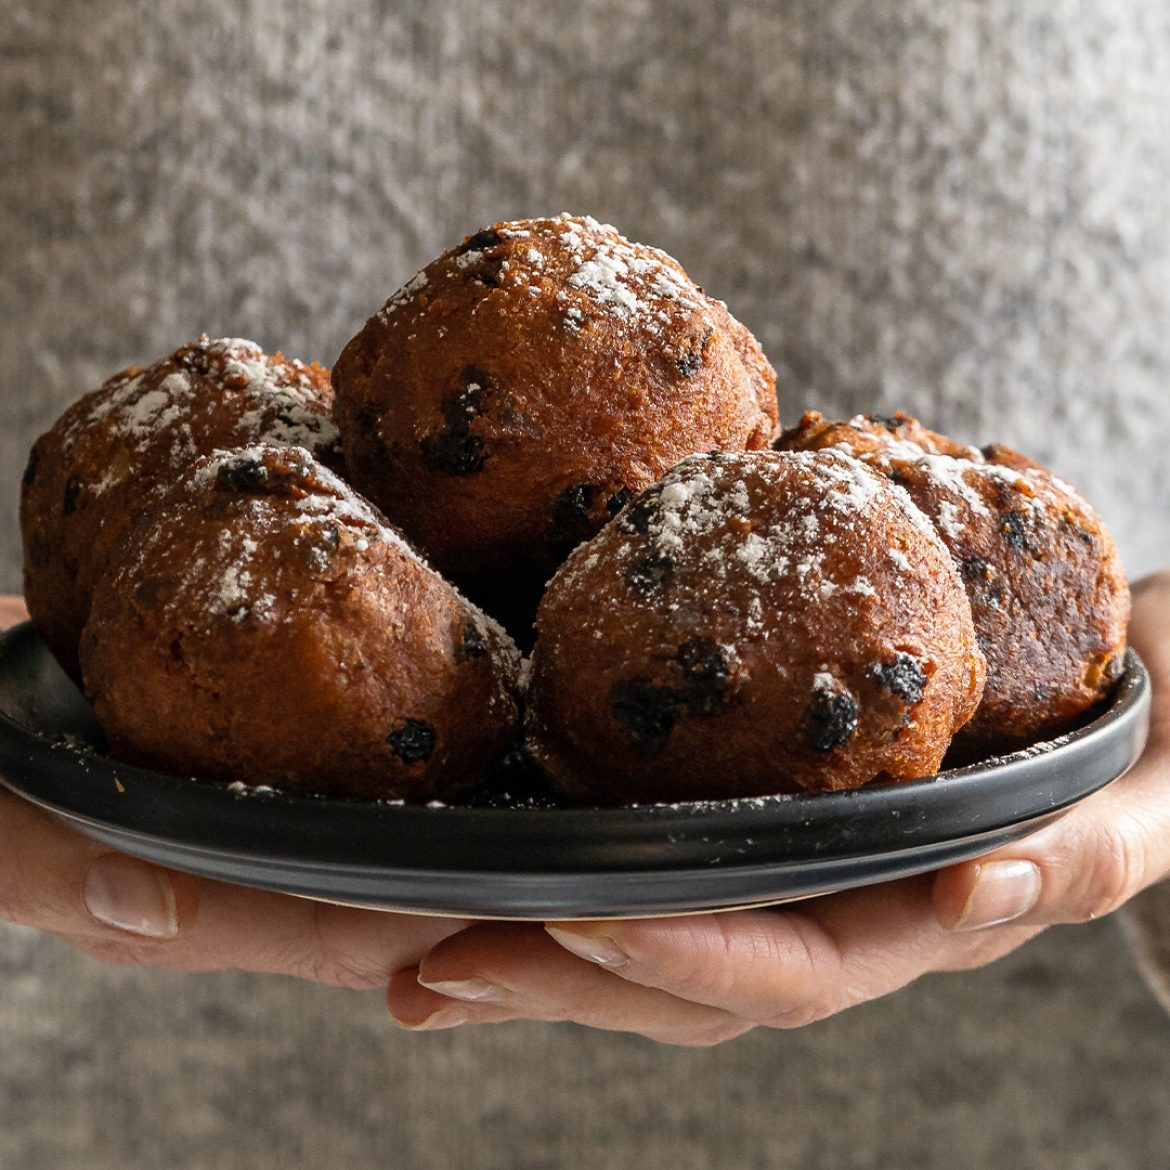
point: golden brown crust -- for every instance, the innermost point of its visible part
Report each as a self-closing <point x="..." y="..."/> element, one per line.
<point x="753" y="623"/>
<point x="271" y="628"/>
<point x="97" y="468"/>
<point x="513" y="395"/>
<point x="1046" y="585"/>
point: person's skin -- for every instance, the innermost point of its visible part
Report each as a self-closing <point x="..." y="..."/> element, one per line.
<point x="694" y="980"/>
<point x="706" y="978"/>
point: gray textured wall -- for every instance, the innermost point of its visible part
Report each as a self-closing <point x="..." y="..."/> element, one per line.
<point x="960" y="208"/>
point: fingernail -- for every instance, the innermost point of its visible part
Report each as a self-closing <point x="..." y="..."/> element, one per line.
<point x="475" y="989"/>
<point x="1004" y="891"/>
<point x="444" y="1018"/>
<point x="131" y="895"/>
<point x="596" y="948"/>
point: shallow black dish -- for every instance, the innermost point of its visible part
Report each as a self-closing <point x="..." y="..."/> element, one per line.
<point x="542" y="862"/>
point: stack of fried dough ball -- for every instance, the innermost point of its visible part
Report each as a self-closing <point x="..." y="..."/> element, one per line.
<point x="234" y="554"/>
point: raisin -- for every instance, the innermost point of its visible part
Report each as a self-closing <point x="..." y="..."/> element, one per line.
<point x="455" y="450"/>
<point x="473" y="645"/>
<point x="891" y="422"/>
<point x="485" y="238"/>
<point x="369" y="421"/>
<point x="488" y="271"/>
<point x="904" y="676"/>
<point x="705" y="668"/>
<point x="642" y="511"/>
<point x="650" y="574"/>
<point x="571" y="518"/>
<point x="412" y="741"/>
<point x="453" y="454"/>
<point x="619" y="500"/>
<point x="692" y="359"/>
<point x="194" y="358"/>
<point x="646" y="711"/>
<point x="1015" y="531"/>
<point x="30" y="468"/>
<point x="262" y="477"/>
<point x="982" y="580"/>
<point x="69" y="500"/>
<point x="832" y="718"/>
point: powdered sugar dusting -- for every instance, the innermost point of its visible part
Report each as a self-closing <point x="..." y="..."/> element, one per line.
<point x="169" y="411"/>
<point x="718" y="518"/>
<point x="628" y="281"/>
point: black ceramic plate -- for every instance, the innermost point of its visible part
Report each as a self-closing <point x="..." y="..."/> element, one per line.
<point x="542" y="862"/>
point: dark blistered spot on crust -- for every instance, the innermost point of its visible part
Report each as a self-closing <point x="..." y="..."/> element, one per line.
<point x="30" y="468"/>
<point x="151" y="592"/>
<point x="831" y="717"/>
<point x="646" y="711"/>
<point x="455" y="450"/>
<point x="982" y="581"/>
<point x="691" y="359"/>
<point x="705" y="670"/>
<point x="485" y="238"/>
<point x="194" y="358"/>
<point x="69" y="498"/>
<point x="903" y="674"/>
<point x="619" y="500"/>
<point x="412" y="741"/>
<point x="473" y="645"/>
<point x="571" y="521"/>
<point x="650" y="574"/>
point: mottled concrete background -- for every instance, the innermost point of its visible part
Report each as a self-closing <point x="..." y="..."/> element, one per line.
<point x="960" y="208"/>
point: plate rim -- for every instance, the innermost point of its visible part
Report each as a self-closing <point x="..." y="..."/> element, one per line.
<point x="575" y="828"/>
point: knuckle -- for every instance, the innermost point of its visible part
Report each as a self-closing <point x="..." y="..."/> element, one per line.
<point x="332" y="959"/>
<point x="799" y="1015"/>
<point x="710" y="1035"/>
<point x="122" y="952"/>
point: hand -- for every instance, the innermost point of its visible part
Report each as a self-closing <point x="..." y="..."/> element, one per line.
<point x="120" y="909"/>
<point x="703" y="979"/>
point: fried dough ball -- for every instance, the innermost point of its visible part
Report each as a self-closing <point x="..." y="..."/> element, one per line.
<point x="269" y="627"/>
<point x="506" y="402"/>
<point x="1047" y="589"/>
<point x="754" y="623"/>
<point x="97" y="468"/>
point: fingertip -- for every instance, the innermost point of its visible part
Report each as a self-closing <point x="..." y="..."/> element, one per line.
<point x="589" y="943"/>
<point x="131" y="896"/>
<point x="416" y="1008"/>
<point x="986" y="893"/>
